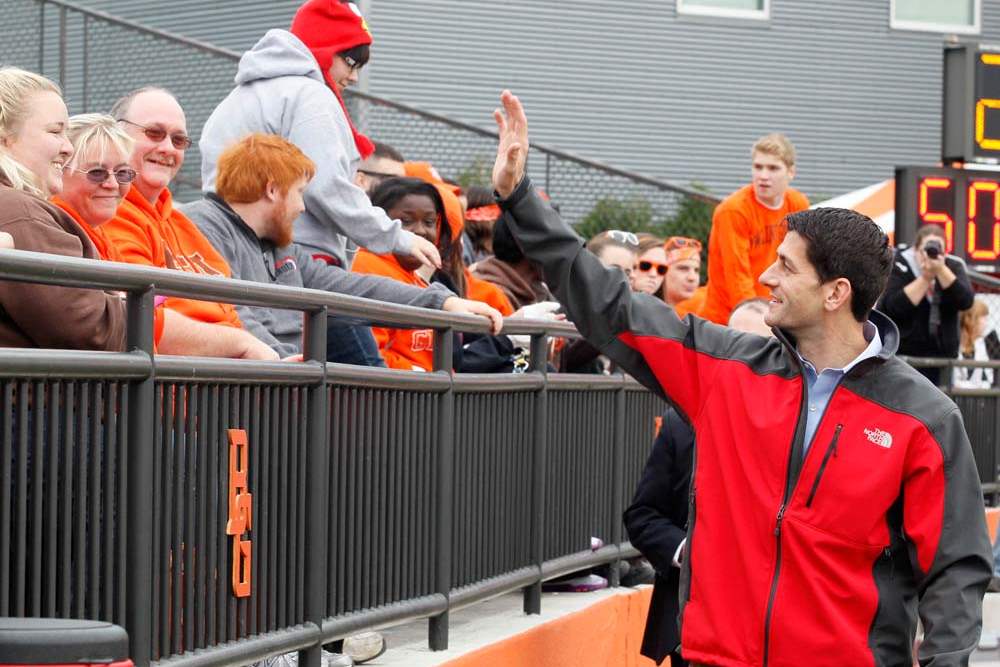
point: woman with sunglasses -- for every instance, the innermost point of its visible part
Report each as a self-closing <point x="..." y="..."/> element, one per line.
<point x="97" y="178"/>
<point x="651" y="266"/>
<point x="95" y="182"/>
<point x="34" y="151"/>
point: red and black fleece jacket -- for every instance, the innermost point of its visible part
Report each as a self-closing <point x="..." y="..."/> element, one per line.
<point x="822" y="559"/>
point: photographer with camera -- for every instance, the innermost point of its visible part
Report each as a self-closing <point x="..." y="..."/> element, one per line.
<point x="926" y="292"/>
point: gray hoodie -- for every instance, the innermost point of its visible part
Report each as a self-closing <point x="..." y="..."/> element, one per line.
<point x="280" y="90"/>
<point x="251" y="258"/>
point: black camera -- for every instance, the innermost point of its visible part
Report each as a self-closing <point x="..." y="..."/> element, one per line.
<point x="933" y="249"/>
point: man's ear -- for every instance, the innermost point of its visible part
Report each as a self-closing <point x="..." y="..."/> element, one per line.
<point x="271" y="191"/>
<point x="837" y="293"/>
<point x="791" y="173"/>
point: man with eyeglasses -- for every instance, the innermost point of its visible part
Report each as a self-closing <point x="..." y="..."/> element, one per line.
<point x="748" y="226"/>
<point x="147" y="229"/>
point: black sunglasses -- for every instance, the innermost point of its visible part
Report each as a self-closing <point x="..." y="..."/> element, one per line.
<point x="98" y="175"/>
<point x="180" y="141"/>
<point x="661" y="269"/>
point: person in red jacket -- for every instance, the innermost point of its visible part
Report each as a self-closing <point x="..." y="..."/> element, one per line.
<point x="748" y="226"/>
<point x="842" y="478"/>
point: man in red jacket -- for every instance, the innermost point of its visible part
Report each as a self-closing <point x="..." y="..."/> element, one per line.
<point x="842" y="477"/>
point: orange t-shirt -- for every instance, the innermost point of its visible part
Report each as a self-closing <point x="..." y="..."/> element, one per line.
<point x="109" y="253"/>
<point x="744" y="242"/>
<point x="158" y="235"/>
<point x="409" y="349"/>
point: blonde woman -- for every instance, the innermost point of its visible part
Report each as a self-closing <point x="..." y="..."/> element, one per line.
<point x="972" y="327"/>
<point x="34" y="150"/>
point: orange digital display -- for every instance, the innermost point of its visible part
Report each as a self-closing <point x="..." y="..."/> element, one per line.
<point x="965" y="203"/>
<point x="937" y="213"/>
<point x="984" y="215"/>
<point x="987" y="112"/>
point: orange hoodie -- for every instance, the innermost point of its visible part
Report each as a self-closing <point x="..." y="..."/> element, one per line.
<point x="159" y="235"/>
<point x="109" y="253"/>
<point x="744" y="242"/>
<point x="409" y="349"/>
<point x="478" y="289"/>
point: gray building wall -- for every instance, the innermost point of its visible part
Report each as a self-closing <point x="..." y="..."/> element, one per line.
<point x="641" y="87"/>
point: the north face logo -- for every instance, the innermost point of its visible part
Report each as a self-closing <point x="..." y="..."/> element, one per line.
<point x="879" y="437"/>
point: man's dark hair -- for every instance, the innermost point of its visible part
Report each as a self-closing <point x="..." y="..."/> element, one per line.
<point x="386" y="151"/>
<point x="844" y="244"/>
<point x="505" y="248"/>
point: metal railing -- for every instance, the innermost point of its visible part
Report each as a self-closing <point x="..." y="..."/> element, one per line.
<point x="377" y="496"/>
<point x="97" y="58"/>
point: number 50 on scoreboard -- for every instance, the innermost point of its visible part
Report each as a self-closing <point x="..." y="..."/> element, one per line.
<point x="963" y="202"/>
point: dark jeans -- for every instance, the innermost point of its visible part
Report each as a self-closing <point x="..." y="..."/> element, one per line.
<point x="350" y="343"/>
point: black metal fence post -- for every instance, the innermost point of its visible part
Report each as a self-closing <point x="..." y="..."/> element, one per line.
<point x="438" y="625"/>
<point x="317" y="484"/>
<point x="85" y="98"/>
<point x="138" y="481"/>
<point x="617" y="479"/>
<point x="62" y="48"/>
<point x="41" y="36"/>
<point x="539" y="364"/>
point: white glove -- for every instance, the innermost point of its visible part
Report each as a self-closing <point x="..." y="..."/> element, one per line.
<point x="543" y="310"/>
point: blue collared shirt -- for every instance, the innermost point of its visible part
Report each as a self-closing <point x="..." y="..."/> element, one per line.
<point x="820" y="387"/>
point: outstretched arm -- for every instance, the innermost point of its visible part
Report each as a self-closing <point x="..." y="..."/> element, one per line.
<point x="642" y="334"/>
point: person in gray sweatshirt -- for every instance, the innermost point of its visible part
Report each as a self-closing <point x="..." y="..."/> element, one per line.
<point x="249" y="219"/>
<point x="291" y="85"/>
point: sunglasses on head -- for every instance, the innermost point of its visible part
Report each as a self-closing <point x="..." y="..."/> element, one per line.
<point x="179" y="140"/>
<point x="661" y="269"/>
<point x="99" y="175"/>
<point x="675" y="242"/>
<point x="628" y="238"/>
<point x="352" y="63"/>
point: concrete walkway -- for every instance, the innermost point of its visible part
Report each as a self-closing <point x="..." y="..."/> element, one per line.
<point x="500" y="618"/>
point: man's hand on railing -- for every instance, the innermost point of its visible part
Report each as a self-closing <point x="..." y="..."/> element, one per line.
<point x="453" y="304"/>
<point x="255" y="349"/>
<point x="512" y="150"/>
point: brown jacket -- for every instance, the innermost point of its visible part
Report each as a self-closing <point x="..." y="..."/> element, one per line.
<point x="33" y="315"/>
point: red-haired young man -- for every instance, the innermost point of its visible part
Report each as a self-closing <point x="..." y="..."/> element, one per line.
<point x="259" y="187"/>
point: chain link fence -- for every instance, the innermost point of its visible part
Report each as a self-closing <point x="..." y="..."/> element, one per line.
<point x="97" y="58"/>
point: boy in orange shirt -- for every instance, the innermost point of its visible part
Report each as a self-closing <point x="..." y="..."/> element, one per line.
<point x="748" y="226"/>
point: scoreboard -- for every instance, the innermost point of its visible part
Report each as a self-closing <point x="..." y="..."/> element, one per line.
<point x="963" y="202"/>
<point x="963" y="199"/>
<point x="970" y="118"/>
